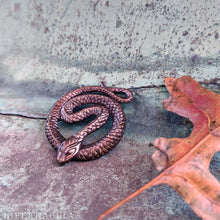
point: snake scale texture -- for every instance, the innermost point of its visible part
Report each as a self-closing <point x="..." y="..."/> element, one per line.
<point x="105" y="102"/>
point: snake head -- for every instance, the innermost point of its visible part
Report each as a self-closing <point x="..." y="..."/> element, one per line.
<point x="68" y="149"/>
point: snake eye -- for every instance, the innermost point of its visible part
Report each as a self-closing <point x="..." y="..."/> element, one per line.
<point x="72" y="150"/>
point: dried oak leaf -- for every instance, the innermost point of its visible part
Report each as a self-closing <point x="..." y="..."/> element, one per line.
<point x="185" y="161"/>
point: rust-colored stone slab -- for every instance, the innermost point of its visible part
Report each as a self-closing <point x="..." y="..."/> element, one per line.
<point x="32" y="183"/>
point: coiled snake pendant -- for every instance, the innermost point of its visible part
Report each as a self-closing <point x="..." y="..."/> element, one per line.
<point x="105" y="103"/>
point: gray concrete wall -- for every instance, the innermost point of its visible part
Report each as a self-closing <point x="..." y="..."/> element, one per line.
<point x="127" y="43"/>
<point x="48" y="48"/>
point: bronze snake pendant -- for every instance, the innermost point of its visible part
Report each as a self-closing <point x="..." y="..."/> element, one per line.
<point x="72" y="147"/>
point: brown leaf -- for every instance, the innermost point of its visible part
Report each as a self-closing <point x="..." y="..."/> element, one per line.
<point x="185" y="161"/>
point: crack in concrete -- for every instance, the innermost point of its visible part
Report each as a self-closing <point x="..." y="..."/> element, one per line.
<point x="22" y="116"/>
<point x="148" y="87"/>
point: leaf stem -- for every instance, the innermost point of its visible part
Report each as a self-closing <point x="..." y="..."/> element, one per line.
<point x="153" y="182"/>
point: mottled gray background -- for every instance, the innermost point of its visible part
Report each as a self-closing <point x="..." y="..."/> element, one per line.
<point x="48" y="48"/>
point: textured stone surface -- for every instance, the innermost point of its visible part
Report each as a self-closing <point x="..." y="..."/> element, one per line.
<point x="32" y="181"/>
<point x="128" y="43"/>
<point x="48" y="48"/>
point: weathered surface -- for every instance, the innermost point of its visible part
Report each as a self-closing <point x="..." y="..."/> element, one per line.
<point x="32" y="181"/>
<point x="128" y="44"/>
<point x="48" y="48"/>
